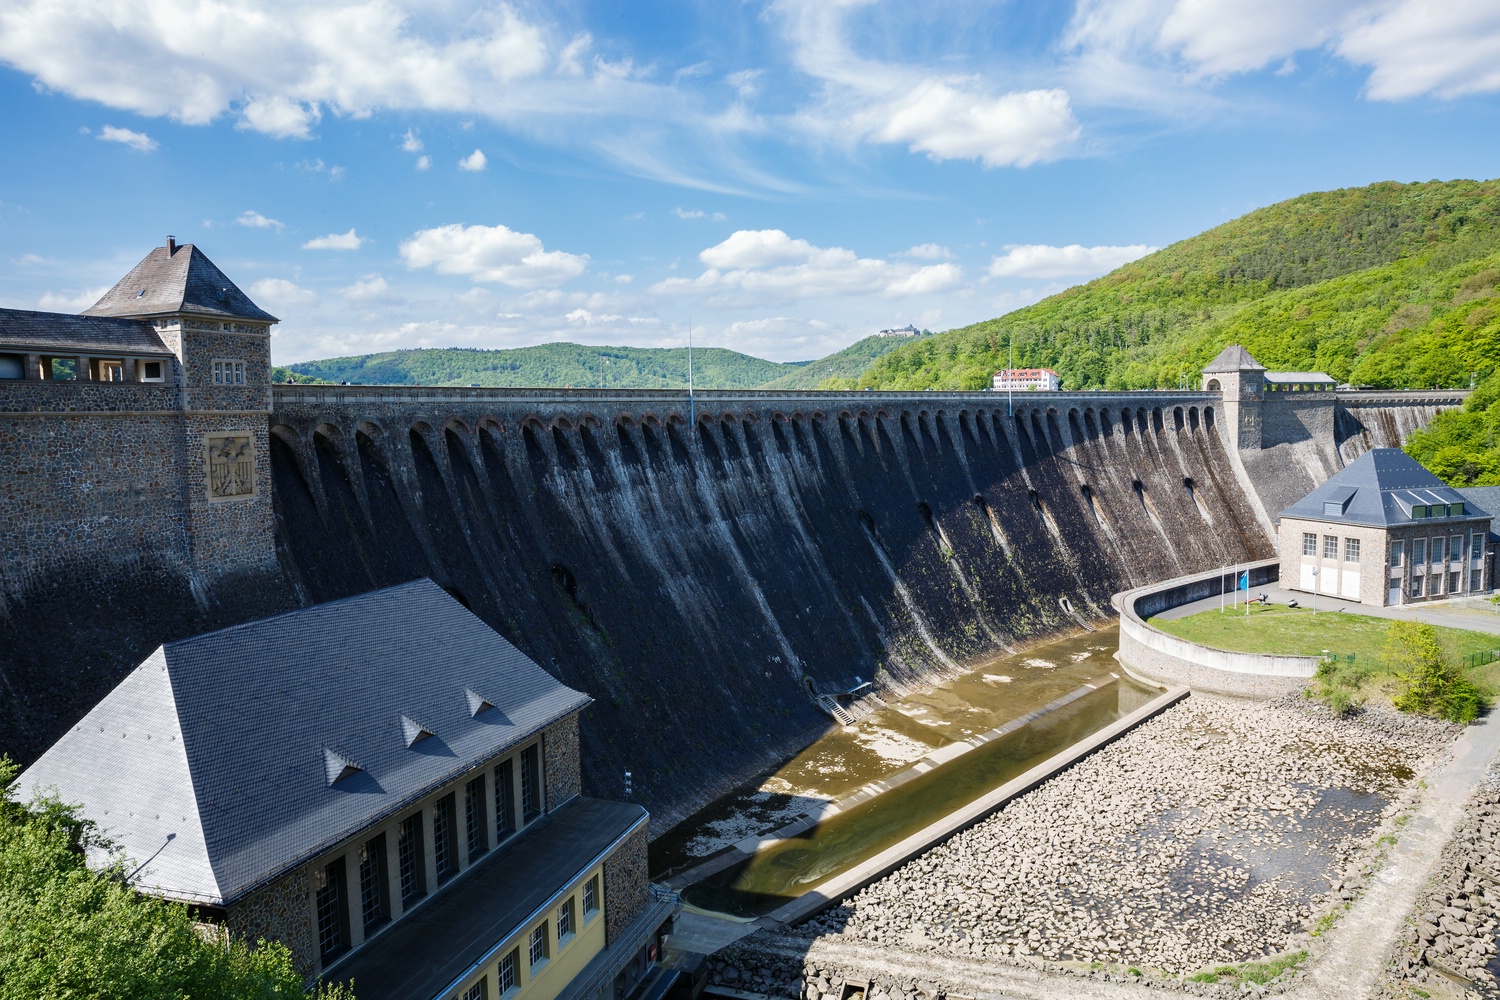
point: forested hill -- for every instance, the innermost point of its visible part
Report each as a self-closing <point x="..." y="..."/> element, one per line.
<point x="1391" y="285"/>
<point x="581" y="366"/>
<point x="553" y="365"/>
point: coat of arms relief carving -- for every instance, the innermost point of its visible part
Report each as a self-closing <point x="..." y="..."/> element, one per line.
<point x="231" y="465"/>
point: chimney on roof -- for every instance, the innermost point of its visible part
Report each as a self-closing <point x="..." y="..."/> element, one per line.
<point x="171" y="245"/>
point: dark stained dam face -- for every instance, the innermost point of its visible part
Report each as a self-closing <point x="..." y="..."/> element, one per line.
<point x="692" y="578"/>
<point x="1053" y="678"/>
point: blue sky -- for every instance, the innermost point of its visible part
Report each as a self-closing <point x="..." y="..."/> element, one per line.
<point x="788" y="175"/>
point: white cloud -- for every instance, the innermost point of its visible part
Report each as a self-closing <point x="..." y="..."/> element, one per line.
<point x="139" y="141"/>
<point x="372" y="288"/>
<point x="584" y="317"/>
<point x="624" y="279"/>
<point x="474" y="161"/>
<point x="928" y="251"/>
<point x="255" y="220"/>
<point x="70" y="302"/>
<point x="927" y="280"/>
<point x="945" y="115"/>
<point x="1411" y="47"/>
<point x="760" y="248"/>
<point x="280" y="117"/>
<point x="280" y="292"/>
<point x="277" y="65"/>
<point x="697" y="213"/>
<point x="410" y="143"/>
<point x="768" y="265"/>
<point x="950" y="123"/>
<point x="336" y="241"/>
<point x="1042" y="261"/>
<point x="423" y="162"/>
<point x="1447" y="49"/>
<point x="491" y="253"/>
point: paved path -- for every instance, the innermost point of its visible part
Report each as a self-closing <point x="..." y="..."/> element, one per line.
<point x="1474" y="613"/>
<point x="1352" y="960"/>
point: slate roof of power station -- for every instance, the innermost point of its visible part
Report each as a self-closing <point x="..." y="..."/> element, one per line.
<point x="1383" y="487"/>
<point x="64" y="334"/>
<point x="177" y="279"/>
<point x="229" y="757"/>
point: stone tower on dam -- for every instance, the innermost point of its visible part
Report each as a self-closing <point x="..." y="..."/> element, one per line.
<point x="696" y="570"/>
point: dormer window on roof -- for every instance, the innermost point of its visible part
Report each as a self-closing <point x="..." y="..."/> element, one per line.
<point x="477" y="702"/>
<point x="1337" y="502"/>
<point x="337" y="767"/>
<point x="412" y="731"/>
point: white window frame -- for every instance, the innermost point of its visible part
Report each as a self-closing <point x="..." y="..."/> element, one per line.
<point x="508" y="973"/>
<point x="1331" y="547"/>
<point x="567" y="922"/>
<point x="1398" y="554"/>
<point x="590" y="898"/>
<point x="1309" y="543"/>
<point x="228" y="371"/>
<point x="1351" y="550"/>
<point x="537" y="951"/>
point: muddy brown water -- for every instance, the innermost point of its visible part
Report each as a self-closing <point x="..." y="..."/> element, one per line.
<point x="994" y="692"/>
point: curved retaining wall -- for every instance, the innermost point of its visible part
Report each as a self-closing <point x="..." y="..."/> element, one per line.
<point x="1148" y="651"/>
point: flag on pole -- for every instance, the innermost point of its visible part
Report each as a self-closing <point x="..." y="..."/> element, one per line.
<point x="1244" y="583"/>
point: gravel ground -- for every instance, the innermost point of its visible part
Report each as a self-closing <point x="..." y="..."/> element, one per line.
<point x="1219" y="832"/>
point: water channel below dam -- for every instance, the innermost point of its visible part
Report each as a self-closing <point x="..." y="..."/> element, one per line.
<point x="1053" y="678"/>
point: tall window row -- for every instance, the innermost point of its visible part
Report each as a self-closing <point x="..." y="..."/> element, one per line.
<point x="1438" y="565"/>
<point x="356" y="893"/>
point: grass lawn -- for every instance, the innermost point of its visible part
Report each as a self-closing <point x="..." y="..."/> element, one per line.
<point x="1297" y="631"/>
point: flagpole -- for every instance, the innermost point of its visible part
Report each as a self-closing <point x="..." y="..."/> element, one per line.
<point x="692" y="410"/>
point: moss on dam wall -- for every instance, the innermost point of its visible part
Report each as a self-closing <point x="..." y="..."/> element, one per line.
<point x="691" y="578"/>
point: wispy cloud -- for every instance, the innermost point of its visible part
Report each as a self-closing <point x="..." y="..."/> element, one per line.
<point x="254" y="220"/>
<point x="1074" y="261"/>
<point x="767" y="265"/>
<point x="410" y="143"/>
<point x="138" y="141"/>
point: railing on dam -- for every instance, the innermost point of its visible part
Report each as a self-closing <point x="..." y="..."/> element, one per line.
<point x="1147" y="650"/>
<point x="345" y="394"/>
<point x="1401" y="397"/>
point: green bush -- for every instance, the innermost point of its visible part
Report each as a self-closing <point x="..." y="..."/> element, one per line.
<point x="68" y="930"/>
<point x="1430" y="682"/>
<point x="1337" y="684"/>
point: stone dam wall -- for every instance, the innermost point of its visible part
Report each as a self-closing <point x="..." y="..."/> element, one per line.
<point x="692" y="568"/>
<point x="693" y="575"/>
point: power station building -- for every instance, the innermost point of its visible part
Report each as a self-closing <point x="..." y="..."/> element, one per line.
<point x="1384" y="531"/>
<point x="383" y="784"/>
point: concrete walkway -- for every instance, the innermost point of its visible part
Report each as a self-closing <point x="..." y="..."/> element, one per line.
<point x="1474" y="613"/>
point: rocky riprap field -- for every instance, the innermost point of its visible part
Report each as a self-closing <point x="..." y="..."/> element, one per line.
<point x="1452" y="941"/>
<point x="1220" y="832"/>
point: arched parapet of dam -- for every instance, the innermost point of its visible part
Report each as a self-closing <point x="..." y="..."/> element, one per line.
<point x="1152" y="654"/>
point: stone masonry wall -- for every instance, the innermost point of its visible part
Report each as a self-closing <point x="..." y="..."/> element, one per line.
<point x="282" y="911"/>
<point x="562" y="762"/>
<point x="625" y="880"/>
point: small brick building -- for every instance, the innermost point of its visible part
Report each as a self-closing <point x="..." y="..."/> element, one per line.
<point x="1385" y="531"/>
<point x="383" y="784"/>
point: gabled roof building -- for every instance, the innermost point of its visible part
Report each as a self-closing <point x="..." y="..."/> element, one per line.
<point x="1384" y="531"/>
<point x="382" y="783"/>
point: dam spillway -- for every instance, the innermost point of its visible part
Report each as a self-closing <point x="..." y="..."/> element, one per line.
<point x="694" y="569"/>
